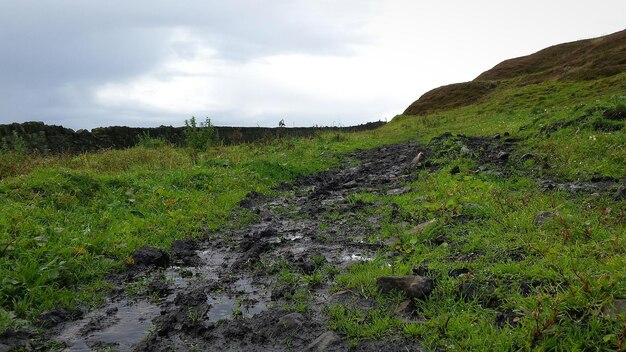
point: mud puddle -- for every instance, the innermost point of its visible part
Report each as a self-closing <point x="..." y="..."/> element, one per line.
<point x="117" y="326"/>
<point x="245" y="303"/>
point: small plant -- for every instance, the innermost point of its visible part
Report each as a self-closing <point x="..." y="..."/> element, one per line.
<point x="200" y="136"/>
<point x="194" y="315"/>
<point x="146" y="141"/>
<point x="237" y="312"/>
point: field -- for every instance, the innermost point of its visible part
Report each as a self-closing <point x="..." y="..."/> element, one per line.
<point x="516" y="212"/>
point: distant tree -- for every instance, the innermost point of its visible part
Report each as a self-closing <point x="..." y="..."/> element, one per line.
<point x="281" y="123"/>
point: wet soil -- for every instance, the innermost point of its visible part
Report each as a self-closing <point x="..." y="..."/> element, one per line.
<point x="223" y="292"/>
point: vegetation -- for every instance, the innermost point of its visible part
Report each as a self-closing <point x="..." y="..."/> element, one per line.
<point x="66" y="221"/>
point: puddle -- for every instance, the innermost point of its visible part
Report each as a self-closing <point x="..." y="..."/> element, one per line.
<point x="247" y="302"/>
<point x="118" y="325"/>
<point x="229" y="308"/>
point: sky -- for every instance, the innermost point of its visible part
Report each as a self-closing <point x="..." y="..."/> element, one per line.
<point x="145" y="63"/>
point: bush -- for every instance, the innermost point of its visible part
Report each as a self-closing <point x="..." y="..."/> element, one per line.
<point x="199" y="137"/>
<point x="146" y="141"/>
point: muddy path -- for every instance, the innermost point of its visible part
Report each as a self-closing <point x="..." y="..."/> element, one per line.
<point x="228" y="291"/>
<point x="235" y="289"/>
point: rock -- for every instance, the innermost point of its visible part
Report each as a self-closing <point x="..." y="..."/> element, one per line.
<point x="405" y="308"/>
<point x="398" y="191"/>
<point x="544" y="216"/>
<point x="414" y="286"/>
<point x="150" y="256"/>
<point x="620" y="194"/>
<point x="465" y="150"/>
<point x="53" y="317"/>
<point x="421" y="227"/>
<point x="323" y="342"/>
<point x="184" y="248"/>
<point x="503" y="156"/>
<point x="290" y="321"/>
<point x="496" y="136"/>
<point x="417" y="158"/>
<point x="615" y="309"/>
<point x="458" y="272"/>
<point x="350" y="184"/>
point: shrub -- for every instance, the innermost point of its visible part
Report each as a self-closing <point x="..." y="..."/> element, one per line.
<point x="146" y="141"/>
<point x="199" y="137"/>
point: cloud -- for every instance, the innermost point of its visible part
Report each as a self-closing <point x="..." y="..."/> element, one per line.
<point x="89" y="63"/>
<point x="61" y="59"/>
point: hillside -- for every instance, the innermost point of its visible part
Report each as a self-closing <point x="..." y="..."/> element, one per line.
<point x="494" y="220"/>
<point x="581" y="60"/>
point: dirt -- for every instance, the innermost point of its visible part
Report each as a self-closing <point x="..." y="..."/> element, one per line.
<point x="224" y="292"/>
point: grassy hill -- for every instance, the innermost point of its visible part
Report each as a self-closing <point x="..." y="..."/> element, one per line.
<point x="524" y="178"/>
<point x="583" y="60"/>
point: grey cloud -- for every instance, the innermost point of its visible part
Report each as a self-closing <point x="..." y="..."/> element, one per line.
<point x="55" y="52"/>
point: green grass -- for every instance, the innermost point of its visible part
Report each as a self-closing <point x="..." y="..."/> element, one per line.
<point x="67" y="221"/>
<point x="554" y="278"/>
<point x="64" y="226"/>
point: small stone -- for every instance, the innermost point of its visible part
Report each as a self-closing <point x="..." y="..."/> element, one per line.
<point x="544" y="216"/>
<point x="417" y="158"/>
<point x="150" y="256"/>
<point x="398" y="191"/>
<point x="503" y="156"/>
<point x="391" y="242"/>
<point x="465" y="150"/>
<point x="458" y="272"/>
<point x="323" y="342"/>
<point x="341" y="296"/>
<point x="350" y="184"/>
<point x="413" y="286"/>
<point x="291" y="321"/>
<point x="405" y="308"/>
<point x="527" y="156"/>
<point x="496" y="136"/>
<point x="615" y="309"/>
<point x="421" y="227"/>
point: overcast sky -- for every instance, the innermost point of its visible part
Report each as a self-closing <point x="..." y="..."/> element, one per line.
<point x="84" y="64"/>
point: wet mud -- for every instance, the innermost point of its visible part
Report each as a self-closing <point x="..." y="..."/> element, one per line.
<point x="222" y="292"/>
